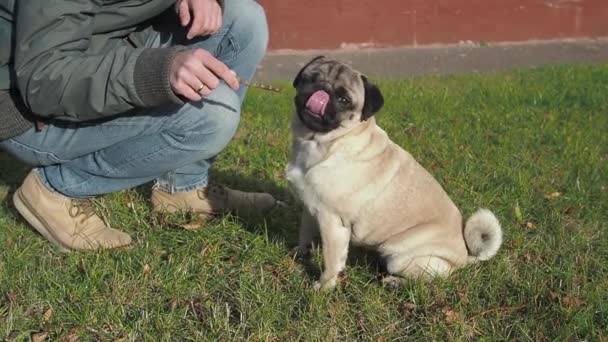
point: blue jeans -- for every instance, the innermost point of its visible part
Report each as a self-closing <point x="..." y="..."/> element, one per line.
<point x="174" y="146"/>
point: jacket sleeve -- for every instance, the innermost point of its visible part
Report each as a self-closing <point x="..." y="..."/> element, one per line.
<point x="56" y="76"/>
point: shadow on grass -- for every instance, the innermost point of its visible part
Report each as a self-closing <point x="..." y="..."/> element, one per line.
<point x="281" y="224"/>
<point x="12" y="173"/>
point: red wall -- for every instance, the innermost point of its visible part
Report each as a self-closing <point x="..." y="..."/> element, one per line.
<point x="327" y="24"/>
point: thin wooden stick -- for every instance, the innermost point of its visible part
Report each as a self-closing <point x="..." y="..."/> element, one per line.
<point x="260" y="86"/>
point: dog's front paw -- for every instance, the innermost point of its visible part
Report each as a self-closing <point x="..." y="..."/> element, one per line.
<point x="393" y="282"/>
<point x="300" y="252"/>
<point x="327" y="284"/>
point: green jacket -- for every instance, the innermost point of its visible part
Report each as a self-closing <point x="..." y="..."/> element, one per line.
<point x="83" y="59"/>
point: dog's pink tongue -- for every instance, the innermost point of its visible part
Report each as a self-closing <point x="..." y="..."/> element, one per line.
<point x="317" y="102"/>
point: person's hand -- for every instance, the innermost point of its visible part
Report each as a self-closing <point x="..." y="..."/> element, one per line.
<point x="195" y="73"/>
<point x="203" y="16"/>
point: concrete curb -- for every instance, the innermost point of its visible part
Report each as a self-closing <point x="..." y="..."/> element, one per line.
<point x="392" y="63"/>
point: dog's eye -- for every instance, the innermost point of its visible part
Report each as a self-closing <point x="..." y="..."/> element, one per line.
<point x="343" y="100"/>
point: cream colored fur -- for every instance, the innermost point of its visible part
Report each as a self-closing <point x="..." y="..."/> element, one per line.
<point x="359" y="186"/>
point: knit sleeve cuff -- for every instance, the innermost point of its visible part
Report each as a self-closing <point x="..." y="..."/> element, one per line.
<point x="151" y="76"/>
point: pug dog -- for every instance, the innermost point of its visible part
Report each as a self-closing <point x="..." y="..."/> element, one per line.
<point x="357" y="186"/>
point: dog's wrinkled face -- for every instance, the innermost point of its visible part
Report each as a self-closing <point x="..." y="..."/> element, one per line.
<point x="331" y="95"/>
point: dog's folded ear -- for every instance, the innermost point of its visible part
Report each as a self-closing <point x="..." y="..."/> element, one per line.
<point x="373" y="99"/>
<point x="299" y="75"/>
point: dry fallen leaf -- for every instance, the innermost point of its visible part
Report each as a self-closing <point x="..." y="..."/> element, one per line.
<point x="464" y="298"/>
<point x="71" y="337"/>
<point x="553" y="195"/>
<point x="451" y="316"/>
<point x="147" y="269"/>
<point x="172" y="304"/>
<point x="48" y="314"/>
<point x="526" y="257"/>
<point x="410" y="129"/>
<point x="12" y="297"/>
<point x="410" y="306"/>
<point x="553" y="295"/>
<point x="572" y="301"/>
<point x="40" y="337"/>
<point x="409" y="309"/>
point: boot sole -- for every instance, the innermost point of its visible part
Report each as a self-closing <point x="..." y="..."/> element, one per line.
<point x="28" y="214"/>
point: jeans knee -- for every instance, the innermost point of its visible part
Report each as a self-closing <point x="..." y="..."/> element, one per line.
<point x="206" y="127"/>
<point x="249" y="25"/>
<point x="222" y="127"/>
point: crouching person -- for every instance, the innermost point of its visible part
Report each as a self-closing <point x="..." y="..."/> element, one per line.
<point x="99" y="97"/>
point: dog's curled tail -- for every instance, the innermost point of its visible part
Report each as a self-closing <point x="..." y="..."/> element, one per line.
<point x="483" y="235"/>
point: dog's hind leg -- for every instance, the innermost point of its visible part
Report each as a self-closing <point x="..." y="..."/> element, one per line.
<point x="420" y="267"/>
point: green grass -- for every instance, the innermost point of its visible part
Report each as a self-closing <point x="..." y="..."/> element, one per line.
<point x="505" y="141"/>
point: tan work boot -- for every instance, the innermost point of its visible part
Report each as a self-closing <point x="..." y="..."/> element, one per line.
<point x="212" y="200"/>
<point x="69" y="223"/>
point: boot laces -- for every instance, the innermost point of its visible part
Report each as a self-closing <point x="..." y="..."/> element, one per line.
<point x="85" y="208"/>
